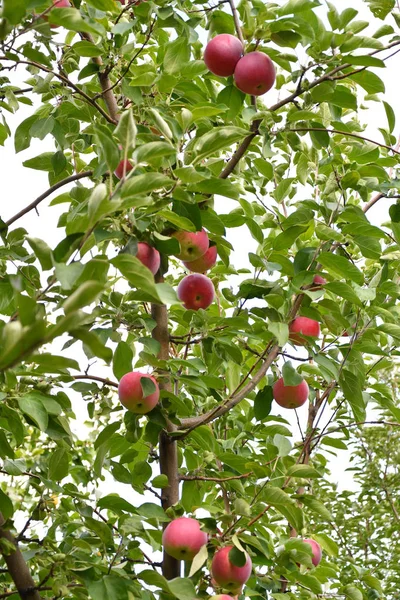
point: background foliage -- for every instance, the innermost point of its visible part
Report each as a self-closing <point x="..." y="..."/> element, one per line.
<point x="303" y="178"/>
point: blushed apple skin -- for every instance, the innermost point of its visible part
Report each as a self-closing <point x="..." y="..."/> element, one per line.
<point x="226" y="574"/>
<point x="290" y="396"/>
<point x="221" y="597"/>
<point x="204" y="263"/>
<point x="182" y="538"/>
<point x="222" y="54"/>
<point x="255" y="74"/>
<point x="148" y="256"/>
<point x="119" y="171"/>
<point x="303" y="326"/>
<point x="130" y="393"/>
<point x="193" y="244"/>
<point x="196" y="291"/>
<point x="316" y="551"/>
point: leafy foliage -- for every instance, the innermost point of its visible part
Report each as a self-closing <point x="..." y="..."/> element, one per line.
<point x="127" y="82"/>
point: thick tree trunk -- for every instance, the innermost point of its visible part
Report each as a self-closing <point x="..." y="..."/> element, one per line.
<point x="168" y="450"/>
<point x="17" y="567"/>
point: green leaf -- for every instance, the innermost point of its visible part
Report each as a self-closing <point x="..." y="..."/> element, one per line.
<point x="341" y="267"/>
<point x="177" y="54"/>
<point x="302" y="471"/>
<point x="85" y="295"/>
<point x="126" y="130"/>
<point x="14" y="10"/>
<point x="215" y="140"/>
<point x="109" y="148"/>
<point x="58" y="464"/>
<point x="110" y="587"/>
<point x="71" y="19"/>
<point x="290" y="375"/>
<point x="137" y="274"/>
<point x="5" y="448"/>
<point x="160" y="481"/>
<point x="147" y="153"/>
<point x="88" y="49"/>
<point x="32" y="407"/>
<point x="263" y="403"/>
<point x="371" y="83"/>
<point x="199" y="560"/>
<point x="6" y="506"/>
<point x="122" y="360"/>
<point x="352" y="387"/>
<point x="144" y="184"/>
<point x="92" y="341"/>
<point x="182" y="588"/>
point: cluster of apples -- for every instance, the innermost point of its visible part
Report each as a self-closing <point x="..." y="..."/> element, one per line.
<point x="301" y="329"/>
<point x="183" y="539"/>
<point x="254" y="73"/>
<point x="196" y="290"/>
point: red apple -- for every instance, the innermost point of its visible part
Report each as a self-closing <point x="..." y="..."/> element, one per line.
<point x="222" y="54"/>
<point x="221" y="597"/>
<point x="317" y="283"/>
<point x="204" y="263"/>
<point x="131" y="394"/>
<point x="148" y="256"/>
<point x="255" y="73"/>
<point x="303" y="326"/>
<point x="196" y="291"/>
<point x="226" y="574"/>
<point x="123" y="165"/>
<point x="316" y="551"/>
<point x="290" y="396"/>
<point x="183" y="538"/>
<point x="193" y="244"/>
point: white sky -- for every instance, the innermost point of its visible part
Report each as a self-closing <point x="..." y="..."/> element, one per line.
<point x="22" y="186"/>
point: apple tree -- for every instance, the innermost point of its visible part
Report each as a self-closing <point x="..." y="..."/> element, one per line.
<point x="172" y="405"/>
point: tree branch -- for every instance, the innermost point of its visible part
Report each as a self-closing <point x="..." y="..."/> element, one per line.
<point x="45" y="195"/>
<point x="345" y="133"/>
<point x="17" y="567"/>
<point x="236" y="21"/>
<point x="96" y="378"/>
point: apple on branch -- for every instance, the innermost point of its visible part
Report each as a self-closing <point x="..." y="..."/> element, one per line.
<point x="316" y="551"/>
<point x="193" y="245"/>
<point x="226" y="574"/>
<point x="196" y="291"/>
<point x="255" y="74"/>
<point x="132" y="396"/>
<point x="302" y="328"/>
<point x="204" y="263"/>
<point x="182" y="538"/>
<point x="222" y="54"/>
<point x="148" y="256"/>
<point x="290" y="396"/>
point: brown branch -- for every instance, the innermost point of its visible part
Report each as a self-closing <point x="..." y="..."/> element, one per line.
<point x="46" y="194"/>
<point x="236" y="21"/>
<point x="345" y="133"/>
<point x="17" y="567"/>
<point x="67" y="82"/>
<point x="105" y="84"/>
<point x="217" y="479"/>
<point x="168" y="449"/>
<point x="242" y="148"/>
<point x="96" y="378"/>
<point x="191" y="423"/>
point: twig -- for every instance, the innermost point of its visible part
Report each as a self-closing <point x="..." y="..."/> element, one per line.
<point x="96" y="378"/>
<point x="46" y="194"/>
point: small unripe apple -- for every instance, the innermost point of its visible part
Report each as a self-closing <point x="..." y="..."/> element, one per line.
<point x="130" y="393"/>
<point x="183" y="538"/>
<point x="316" y="551"/>
<point x="196" y="291"/>
<point x="255" y="73"/>
<point x="204" y="263"/>
<point x="148" y="256"/>
<point x="302" y="328"/>
<point x="123" y="167"/>
<point x="193" y="244"/>
<point x="226" y="574"/>
<point x="222" y="54"/>
<point x="290" y="396"/>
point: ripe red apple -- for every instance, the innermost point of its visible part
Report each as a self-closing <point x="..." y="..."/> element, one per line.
<point x="131" y="394"/>
<point x="183" y="538"/>
<point x="148" y="256"/>
<point x="316" y="551"/>
<point x="226" y="574"/>
<point x="124" y="164"/>
<point x="204" y="263"/>
<point x="255" y="73"/>
<point x="196" y="291"/>
<point x="290" y="396"/>
<point x="222" y="54"/>
<point x="221" y="597"/>
<point x="303" y="326"/>
<point x="193" y="244"/>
